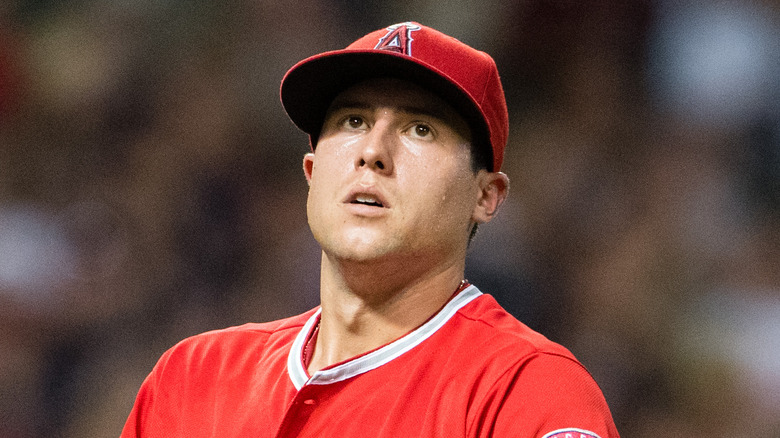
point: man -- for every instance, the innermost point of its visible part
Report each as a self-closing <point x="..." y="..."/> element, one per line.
<point x="408" y="128"/>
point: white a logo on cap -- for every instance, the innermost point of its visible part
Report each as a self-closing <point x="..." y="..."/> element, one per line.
<point x="398" y="38"/>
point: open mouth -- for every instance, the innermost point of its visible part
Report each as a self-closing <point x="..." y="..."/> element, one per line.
<point x="367" y="200"/>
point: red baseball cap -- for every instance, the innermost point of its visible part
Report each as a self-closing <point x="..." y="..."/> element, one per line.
<point x="464" y="77"/>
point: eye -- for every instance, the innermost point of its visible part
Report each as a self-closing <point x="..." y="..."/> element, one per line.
<point x="354" y="122"/>
<point x="421" y="130"/>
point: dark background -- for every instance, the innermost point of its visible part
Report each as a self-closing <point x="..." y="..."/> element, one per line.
<point x="151" y="188"/>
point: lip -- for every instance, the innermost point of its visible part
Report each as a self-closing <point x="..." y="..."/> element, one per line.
<point x="372" y="192"/>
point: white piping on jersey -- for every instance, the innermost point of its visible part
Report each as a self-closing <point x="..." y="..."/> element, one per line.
<point x="571" y="433"/>
<point x="377" y="357"/>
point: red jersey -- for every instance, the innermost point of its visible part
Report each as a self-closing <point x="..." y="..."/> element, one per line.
<point x="472" y="370"/>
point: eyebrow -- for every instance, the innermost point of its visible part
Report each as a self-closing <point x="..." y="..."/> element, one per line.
<point x="428" y="110"/>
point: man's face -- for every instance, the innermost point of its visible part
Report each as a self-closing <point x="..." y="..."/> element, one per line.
<point x="391" y="176"/>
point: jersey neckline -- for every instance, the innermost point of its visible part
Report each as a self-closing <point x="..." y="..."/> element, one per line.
<point x="375" y="358"/>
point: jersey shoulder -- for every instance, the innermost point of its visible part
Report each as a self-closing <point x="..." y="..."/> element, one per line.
<point x="254" y="340"/>
<point x="489" y="323"/>
<point x="280" y="327"/>
<point x="533" y="377"/>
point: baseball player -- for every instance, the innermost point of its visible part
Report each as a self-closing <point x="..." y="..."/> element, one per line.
<point x="408" y="128"/>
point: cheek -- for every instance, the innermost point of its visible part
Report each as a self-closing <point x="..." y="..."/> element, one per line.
<point x="325" y="169"/>
<point x="326" y="180"/>
<point x="459" y="201"/>
<point x="337" y="149"/>
<point x="449" y="199"/>
<point x="317" y="189"/>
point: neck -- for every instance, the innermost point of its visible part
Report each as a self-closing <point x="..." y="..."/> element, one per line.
<point x="365" y="307"/>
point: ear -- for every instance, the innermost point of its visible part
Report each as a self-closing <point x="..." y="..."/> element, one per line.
<point x="493" y="190"/>
<point x="308" y="166"/>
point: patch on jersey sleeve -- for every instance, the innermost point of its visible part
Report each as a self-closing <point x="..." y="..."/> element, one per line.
<point x="571" y="433"/>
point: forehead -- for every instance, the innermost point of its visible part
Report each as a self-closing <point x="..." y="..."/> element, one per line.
<point x="402" y="96"/>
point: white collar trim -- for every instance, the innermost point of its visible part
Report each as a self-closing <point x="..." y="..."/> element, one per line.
<point x="376" y="358"/>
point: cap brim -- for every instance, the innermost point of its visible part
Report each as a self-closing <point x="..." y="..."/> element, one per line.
<point x="311" y="85"/>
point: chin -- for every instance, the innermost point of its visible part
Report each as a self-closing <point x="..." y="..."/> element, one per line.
<point x="361" y="249"/>
<point x="360" y="254"/>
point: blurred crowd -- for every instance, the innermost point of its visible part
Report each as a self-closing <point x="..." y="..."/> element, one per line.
<point x="151" y="189"/>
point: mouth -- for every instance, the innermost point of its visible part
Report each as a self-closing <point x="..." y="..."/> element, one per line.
<point x="368" y="198"/>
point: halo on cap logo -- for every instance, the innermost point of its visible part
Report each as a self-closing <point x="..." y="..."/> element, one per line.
<point x="571" y="433"/>
<point x="398" y="38"/>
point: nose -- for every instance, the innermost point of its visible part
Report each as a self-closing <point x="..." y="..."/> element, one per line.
<point x="377" y="149"/>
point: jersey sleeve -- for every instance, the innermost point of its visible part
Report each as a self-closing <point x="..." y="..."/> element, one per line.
<point x="546" y="396"/>
<point x="158" y="408"/>
<point x="140" y="416"/>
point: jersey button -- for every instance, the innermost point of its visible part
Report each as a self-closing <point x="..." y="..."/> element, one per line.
<point x="309" y="401"/>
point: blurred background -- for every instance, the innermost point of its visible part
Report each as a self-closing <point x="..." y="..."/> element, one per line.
<point x="151" y="189"/>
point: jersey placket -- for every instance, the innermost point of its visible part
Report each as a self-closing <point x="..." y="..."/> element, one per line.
<point x="315" y="390"/>
<point x="301" y="408"/>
